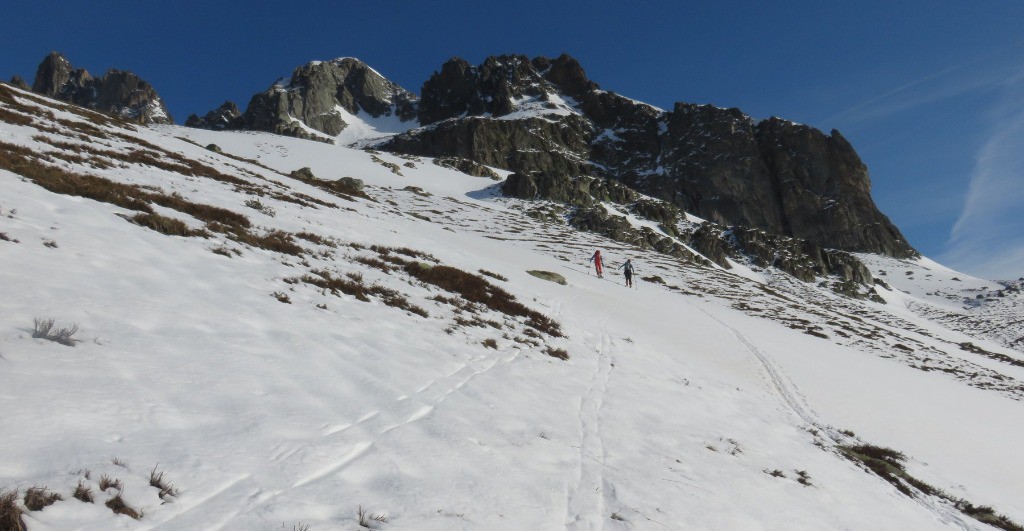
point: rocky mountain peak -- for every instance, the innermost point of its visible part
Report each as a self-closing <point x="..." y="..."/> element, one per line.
<point x="314" y="102"/>
<point x="52" y="75"/>
<point x="119" y="93"/>
<point x="496" y="85"/>
<point x="567" y="74"/>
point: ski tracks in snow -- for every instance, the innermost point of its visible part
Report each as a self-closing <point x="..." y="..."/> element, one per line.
<point x="342" y="445"/>
<point x="797" y="404"/>
<point x="338" y="447"/>
<point x="585" y="501"/>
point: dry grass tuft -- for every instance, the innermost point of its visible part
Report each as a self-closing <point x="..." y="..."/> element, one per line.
<point x="157" y="481"/>
<point x="10" y="511"/>
<point x="107" y="483"/>
<point x="47" y="329"/>
<point x="164" y="224"/>
<point x="83" y="492"/>
<point x="559" y="353"/>
<point x="37" y="498"/>
<point x="118" y="505"/>
<point x="475" y="288"/>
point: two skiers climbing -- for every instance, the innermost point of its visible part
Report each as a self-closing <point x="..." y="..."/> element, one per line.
<point x="627" y="268"/>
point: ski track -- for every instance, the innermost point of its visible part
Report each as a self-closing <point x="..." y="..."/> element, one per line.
<point x="585" y="502"/>
<point x="335" y="451"/>
<point x="796" y="403"/>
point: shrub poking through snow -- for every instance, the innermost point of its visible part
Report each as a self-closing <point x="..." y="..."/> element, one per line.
<point x="353" y="285"/>
<point x="157" y="481"/>
<point x="888" y="465"/>
<point x="107" y="483"/>
<point x="83" y="492"/>
<point x="10" y="511"/>
<point x="48" y="330"/>
<point x="164" y="224"/>
<point x="490" y="343"/>
<point x="366" y="519"/>
<point x="493" y="275"/>
<point x="475" y="288"/>
<point x="559" y="353"/>
<point x="37" y="498"/>
<point x="118" y="505"/>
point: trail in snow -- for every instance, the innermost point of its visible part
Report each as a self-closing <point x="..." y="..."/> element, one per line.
<point x="341" y="444"/>
<point x="585" y="504"/>
<point x="795" y="402"/>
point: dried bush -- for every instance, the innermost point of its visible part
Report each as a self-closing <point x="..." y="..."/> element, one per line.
<point x="10" y="511"/>
<point x="164" y="224"/>
<point x="107" y="483"/>
<point x="37" y="498"/>
<point x="315" y="238"/>
<point x="83" y="492"/>
<point x="490" y="343"/>
<point x="48" y="330"/>
<point x="118" y="505"/>
<point x="493" y="275"/>
<point x="365" y="518"/>
<point x="559" y="353"/>
<point x="157" y="481"/>
<point x="475" y="288"/>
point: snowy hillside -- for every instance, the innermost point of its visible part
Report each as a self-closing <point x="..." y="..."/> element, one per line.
<point x="292" y="350"/>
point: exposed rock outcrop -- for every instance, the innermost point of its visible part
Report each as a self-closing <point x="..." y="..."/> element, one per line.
<point x="523" y="145"/>
<point x="18" y="82"/>
<point x="315" y="101"/>
<point x="119" y="93"/>
<point x="466" y="166"/>
<point x="223" y="117"/>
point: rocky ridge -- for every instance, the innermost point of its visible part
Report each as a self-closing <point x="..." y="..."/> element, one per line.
<point x="119" y="93"/>
<point x="544" y="117"/>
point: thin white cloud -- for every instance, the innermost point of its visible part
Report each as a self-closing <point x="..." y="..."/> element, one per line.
<point x="988" y="237"/>
<point x="985" y="72"/>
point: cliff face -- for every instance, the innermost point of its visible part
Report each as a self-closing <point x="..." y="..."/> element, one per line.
<point x="117" y="92"/>
<point x="544" y="115"/>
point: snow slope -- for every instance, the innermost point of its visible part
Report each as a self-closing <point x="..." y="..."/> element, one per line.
<point x="678" y="400"/>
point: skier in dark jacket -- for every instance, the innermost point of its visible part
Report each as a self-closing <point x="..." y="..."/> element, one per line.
<point x="627" y="269"/>
<point x="598" y="263"/>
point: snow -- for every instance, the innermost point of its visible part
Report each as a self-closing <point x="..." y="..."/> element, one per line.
<point x="364" y="127"/>
<point x="672" y="408"/>
<point x="536" y="107"/>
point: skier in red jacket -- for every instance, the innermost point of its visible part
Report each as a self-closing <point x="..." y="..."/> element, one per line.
<point x="598" y="263"/>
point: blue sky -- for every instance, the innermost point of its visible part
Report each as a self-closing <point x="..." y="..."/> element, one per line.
<point x="930" y="93"/>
